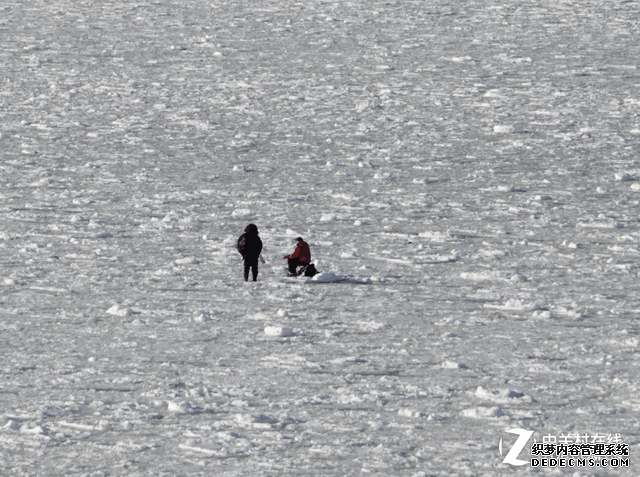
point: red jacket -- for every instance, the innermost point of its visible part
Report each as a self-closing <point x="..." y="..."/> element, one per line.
<point x="301" y="252"/>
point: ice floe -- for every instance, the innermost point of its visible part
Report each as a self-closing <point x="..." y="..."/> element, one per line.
<point x="280" y="331"/>
<point x="119" y="310"/>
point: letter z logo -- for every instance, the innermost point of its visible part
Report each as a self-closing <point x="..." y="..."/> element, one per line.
<point x="512" y="456"/>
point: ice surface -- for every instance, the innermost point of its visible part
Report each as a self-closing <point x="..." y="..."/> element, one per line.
<point x="466" y="174"/>
<point x="278" y="331"/>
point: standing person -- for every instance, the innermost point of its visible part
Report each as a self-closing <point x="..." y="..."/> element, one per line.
<point x="250" y="246"/>
<point x="300" y="256"/>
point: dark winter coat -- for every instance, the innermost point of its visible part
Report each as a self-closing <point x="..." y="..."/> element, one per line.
<point x="249" y="243"/>
<point x="301" y="252"/>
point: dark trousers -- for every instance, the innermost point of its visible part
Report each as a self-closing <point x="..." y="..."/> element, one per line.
<point x="250" y="262"/>
<point x="295" y="263"/>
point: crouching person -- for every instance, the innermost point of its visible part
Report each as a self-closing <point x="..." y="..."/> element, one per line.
<point x="300" y="256"/>
<point x="250" y="246"/>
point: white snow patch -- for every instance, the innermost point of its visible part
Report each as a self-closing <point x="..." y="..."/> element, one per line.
<point x="542" y="314"/>
<point x="328" y="277"/>
<point x="381" y="176"/>
<point x="372" y="325"/>
<point x="12" y="425"/>
<point x="412" y="413"/>
<point x="436" y="236"/>
<point x="171" y="217"/>
<point x="514" y="304"/>
<point x="482" y="412"/>
<point x="118" y="310"/>
<point x="292" y="233"/>
<point x="505" y="188"/>
<point x="453" y="365"/>
<point x="180" y="407"/>
<point x="493" y="93"/>
<point x="623" y="177"/>
<point x="209" y="448"/>
<point x="282" y="331"/>
<point x="502" y="396"/>
<point x="362" y="105"/>
<point x="201" y="317"/>
<point x="492" y="275"/>
<point x="37" y="430"/>
<point x="260" y="316"/>
<point x="604" y="224"/>
<point x="256" y="421"/>
<point x="187" y="261"/>
<point x="76" y="425"/>
<point x="241" y="213"/>
<point x="503" y="128"/>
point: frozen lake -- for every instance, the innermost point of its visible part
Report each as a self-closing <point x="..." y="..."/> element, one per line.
<point x="466" y="174"/>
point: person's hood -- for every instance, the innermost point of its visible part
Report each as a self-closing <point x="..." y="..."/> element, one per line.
<point x="251" y="229"/>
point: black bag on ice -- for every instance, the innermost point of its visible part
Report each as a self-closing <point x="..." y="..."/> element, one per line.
<point x="310" y="270"/>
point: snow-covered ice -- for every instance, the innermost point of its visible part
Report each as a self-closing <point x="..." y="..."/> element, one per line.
<point x="467" y="177"/>
<point x="278" y="331"/>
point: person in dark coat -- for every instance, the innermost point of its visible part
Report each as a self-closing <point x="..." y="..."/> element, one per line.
<point x="250" y="246"/>
<point x="300" y="256"/>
